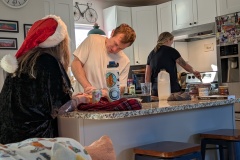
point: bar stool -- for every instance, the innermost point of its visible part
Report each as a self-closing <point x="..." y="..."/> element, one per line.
<point x="225" y="139"/>
<point x="168" y="150"/>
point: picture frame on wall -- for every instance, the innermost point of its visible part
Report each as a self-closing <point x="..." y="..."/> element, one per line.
<point x="8" y="26"/>
<point x="8" y="43"/>
<point x="26" y="28"/>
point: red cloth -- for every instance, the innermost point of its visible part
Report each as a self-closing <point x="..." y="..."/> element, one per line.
<point x="122" y="104"/>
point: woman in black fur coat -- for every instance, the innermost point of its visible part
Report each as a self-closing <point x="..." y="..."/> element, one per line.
<point x="37" y="84"/>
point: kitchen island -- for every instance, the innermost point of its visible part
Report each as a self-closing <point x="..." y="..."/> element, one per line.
<point x="157" y="121"/>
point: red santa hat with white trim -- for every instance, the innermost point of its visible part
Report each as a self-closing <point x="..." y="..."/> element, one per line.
<point x="44" y="33"/>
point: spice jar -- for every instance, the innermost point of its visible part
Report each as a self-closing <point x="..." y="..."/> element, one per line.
<point x="223" y="90"/>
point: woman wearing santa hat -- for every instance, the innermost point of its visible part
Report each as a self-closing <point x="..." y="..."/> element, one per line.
<point x="37" y="84"/>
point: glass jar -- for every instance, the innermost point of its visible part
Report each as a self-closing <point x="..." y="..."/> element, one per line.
<point x="223" y="90"/>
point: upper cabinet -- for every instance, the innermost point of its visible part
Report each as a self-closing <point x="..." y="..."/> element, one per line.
<point x="164" y="17"/>
<point x="113" y="17"/>
<point x="144" y="22"/>
<point x="228" y="6"/>
<point x="188" y="13"/>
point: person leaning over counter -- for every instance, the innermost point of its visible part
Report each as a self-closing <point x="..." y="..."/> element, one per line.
<point x="163" y="56"/>
<point x="94" y="53"/>
<point x="37" y="84"/>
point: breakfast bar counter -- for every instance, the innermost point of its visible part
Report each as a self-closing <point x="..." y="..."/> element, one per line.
<point x="157" y="121"/>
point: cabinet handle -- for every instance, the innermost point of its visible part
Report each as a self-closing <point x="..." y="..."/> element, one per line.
<point x="190" y="23"/>
<point x="195" y="22"/>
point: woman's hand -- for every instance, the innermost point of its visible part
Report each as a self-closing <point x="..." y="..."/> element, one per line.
<point x="198" y="75"/>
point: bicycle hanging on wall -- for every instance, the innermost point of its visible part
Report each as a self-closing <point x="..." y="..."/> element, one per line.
<point x="89" y="13"/>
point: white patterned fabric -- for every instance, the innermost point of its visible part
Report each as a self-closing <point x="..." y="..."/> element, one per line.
<point x="44" y="149"/>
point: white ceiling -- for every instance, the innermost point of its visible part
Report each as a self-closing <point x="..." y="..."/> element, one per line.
<point x="138" y="2"/>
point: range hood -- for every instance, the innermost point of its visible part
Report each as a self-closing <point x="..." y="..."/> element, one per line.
<point x="195" y="33"/>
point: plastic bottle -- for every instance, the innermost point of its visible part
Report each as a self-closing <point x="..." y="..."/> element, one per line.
<point x="164" y="88"/>
<point x="112" y="79"/>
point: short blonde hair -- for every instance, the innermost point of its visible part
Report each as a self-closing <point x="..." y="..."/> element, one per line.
<point x="129" y="33"/>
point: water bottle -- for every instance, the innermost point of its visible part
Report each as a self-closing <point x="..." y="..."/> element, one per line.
<point x="164" y="88"/>
<point x="112" y="79"/>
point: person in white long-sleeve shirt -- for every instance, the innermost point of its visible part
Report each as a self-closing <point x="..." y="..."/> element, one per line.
<point x="94" y="53"/>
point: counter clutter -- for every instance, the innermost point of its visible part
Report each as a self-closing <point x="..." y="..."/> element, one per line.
<point x="152" y="108"/>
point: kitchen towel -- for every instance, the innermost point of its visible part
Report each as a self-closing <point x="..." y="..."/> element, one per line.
<point x="122" y="104"/>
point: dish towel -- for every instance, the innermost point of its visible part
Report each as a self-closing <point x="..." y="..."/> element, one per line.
<point x="122" y="104"/>
<point x="179" y="96"/>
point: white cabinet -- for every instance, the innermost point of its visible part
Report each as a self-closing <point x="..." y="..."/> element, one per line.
<point x="188" y="13"/>
<point x="63" y="9"/>
<point x="228" y="6"/>
<point x="144" y="22"/>
<point x="164" y="17"/>
<point x="113" y="17"/>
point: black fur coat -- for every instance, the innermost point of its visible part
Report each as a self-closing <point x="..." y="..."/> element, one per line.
<point x="27" y="105"/>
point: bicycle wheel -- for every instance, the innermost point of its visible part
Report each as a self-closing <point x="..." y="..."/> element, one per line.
<point x="91" y="15"/>
<point x="76" y="13"/>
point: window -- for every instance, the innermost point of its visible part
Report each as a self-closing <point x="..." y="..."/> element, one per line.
<point x="81" y="31"/>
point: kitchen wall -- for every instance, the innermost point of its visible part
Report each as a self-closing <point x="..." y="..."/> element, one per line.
<point x="201" y="54"/>
<point x="27" y="15"/>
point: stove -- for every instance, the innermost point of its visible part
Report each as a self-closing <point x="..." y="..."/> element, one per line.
<point x="207" y="77"/>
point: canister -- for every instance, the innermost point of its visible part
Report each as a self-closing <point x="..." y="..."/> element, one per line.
<point x="223" y="90"/>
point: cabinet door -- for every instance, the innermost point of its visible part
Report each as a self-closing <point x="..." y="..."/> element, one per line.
<point x="48" y="7"/>
<point x="164" y="17"/>
<point x="113" y="17"/>
<point x="124" y="16"/>
<point x="182" y="13"/>
<point x="229" y="6"/>
<point x="206" y="11"/>
<point x="57" y="7"/>
<point x="67" y="17"/>
<point x="144" y="22"/>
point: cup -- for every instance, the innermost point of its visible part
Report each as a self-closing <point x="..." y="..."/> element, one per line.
<point x="146" y="88"/>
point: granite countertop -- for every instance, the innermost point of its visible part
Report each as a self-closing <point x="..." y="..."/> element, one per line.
<point x="151" y="108"/>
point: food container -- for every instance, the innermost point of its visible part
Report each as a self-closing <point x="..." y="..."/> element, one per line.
<point x="223" y="90"/>
<point x="194" y="88"/>
<point x="96" y="95"/>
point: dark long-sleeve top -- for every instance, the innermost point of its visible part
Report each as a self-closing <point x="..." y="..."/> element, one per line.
<point x="27" y="104"/>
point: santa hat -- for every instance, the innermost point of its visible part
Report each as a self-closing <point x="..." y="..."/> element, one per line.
<point x="44" y="33"/>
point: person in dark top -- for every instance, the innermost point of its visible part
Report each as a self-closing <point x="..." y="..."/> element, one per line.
<point x="163" y="56"/>
<point x="37" y="84"/>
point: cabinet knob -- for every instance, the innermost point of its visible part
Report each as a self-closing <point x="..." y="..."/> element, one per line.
<point x="136" y="61"/>
<point x="190" y="23"/>
<point x="195" y="22"/>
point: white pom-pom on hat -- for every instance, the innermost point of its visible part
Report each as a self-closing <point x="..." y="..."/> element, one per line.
<point x="9" y="63"/>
